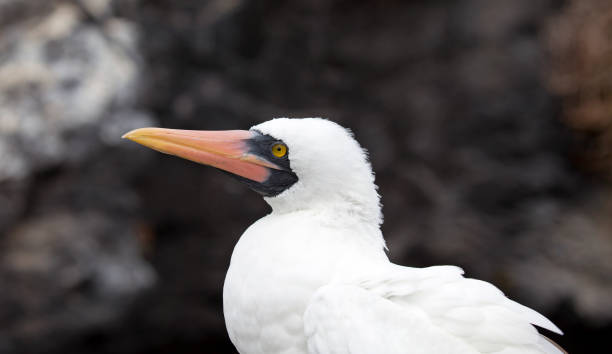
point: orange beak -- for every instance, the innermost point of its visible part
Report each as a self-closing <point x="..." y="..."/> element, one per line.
<point x="227" y="150"/>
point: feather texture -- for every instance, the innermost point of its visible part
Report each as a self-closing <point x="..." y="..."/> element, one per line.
<point x="404" y="310"/>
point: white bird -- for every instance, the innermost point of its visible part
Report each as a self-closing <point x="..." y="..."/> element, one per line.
<point x="313" y="275"/>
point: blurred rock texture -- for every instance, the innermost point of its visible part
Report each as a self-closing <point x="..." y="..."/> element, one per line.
<point x="580" y="44"/>
<point x="487" y="123"/>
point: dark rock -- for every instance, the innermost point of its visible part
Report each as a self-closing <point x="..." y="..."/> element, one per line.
<point x="69" y="272"/>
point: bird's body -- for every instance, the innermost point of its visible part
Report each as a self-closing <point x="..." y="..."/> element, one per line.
<point x="298" y="277"/>
<point x="312" y="277"/>
<point x="277" y="266"/>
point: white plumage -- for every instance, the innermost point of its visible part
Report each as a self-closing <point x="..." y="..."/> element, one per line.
<point x="313" y="277"/>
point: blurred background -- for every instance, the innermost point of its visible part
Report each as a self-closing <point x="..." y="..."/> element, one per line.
<point x="489" y="125"/>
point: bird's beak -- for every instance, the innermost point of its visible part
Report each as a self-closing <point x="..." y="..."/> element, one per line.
<point x="227" y="150"/>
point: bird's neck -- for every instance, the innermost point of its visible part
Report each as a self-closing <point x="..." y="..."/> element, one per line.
<point x="361" y="209"/>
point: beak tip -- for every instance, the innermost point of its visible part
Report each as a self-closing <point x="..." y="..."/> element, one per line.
<point x="130" y="135"/>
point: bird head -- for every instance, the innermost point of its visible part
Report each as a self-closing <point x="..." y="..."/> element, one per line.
<point x="294" y="164"/>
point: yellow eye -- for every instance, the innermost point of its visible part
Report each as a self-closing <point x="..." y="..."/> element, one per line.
<point x="279" y="150"/>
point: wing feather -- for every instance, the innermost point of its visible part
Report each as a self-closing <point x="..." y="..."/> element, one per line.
<point x="421" y="310"/>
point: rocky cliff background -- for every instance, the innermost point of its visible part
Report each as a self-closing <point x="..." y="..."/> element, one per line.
<point x="487" y="122"/>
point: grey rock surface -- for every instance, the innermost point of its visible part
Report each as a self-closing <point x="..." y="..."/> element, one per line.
<point x="60" y="74"/>
<point x="70" y="257"/>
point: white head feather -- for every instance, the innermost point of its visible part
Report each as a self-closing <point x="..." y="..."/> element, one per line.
<point x="333" y="170"/>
